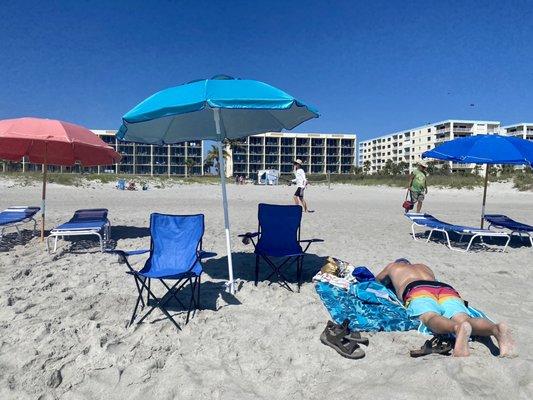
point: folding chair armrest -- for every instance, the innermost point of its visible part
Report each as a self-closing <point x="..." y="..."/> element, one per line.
<point x="206" y="254"/>
<point x="311" y="240"/>
<point x="123" y="254"/>
<point x="134" y="252"/>
<point x="249" y="235"/>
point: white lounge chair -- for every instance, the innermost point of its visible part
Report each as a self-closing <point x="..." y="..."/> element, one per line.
<point x="428" y="221"/>
<point x="13" y="217"/>
<point x="90" y="222"/>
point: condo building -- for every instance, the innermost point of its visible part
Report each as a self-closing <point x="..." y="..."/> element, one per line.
<point x="408" y="145"/>
<point x="141" y="159"/>
<point x="522" y="130"/>
<point x="320" y="152"/>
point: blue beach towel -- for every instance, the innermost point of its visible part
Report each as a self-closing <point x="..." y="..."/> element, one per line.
<point x="372" y="307"/>
<point x="369" y="306"/>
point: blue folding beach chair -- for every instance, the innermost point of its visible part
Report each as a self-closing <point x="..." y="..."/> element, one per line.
<point x="175" y="255"/>
<point x="278" y="236"/>
<point x="13" y="217"/>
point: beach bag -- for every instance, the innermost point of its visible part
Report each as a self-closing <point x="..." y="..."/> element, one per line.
<point x="407" y="204"/>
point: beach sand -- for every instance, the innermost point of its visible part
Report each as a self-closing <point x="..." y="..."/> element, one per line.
<point x="63" y="316"/>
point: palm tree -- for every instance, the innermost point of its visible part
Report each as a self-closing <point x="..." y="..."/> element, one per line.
<point x="212" y="157"/>
<point x="366" y="166"/>
<point x="189" y="164"/>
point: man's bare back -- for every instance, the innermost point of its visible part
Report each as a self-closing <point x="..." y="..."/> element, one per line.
<point x="401" y="274"/>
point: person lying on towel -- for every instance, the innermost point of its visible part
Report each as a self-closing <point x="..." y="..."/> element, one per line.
<point x="440" y="307"/>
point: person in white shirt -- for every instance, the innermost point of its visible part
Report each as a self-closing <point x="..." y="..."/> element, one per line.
<point x="301" y="183"/>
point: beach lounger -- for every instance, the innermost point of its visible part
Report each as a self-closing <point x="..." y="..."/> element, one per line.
<point x="278" y="236"/>
<point x="89" y="222"/>
<point x="504" y="222"/>
<point x="175" y="255"/>
<point x="15" y="216"/>
<point x="428" y="221"/>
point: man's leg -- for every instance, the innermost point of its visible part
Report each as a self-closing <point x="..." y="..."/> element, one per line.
<point x="296" y="200"/>
<point x="418" y="206"/>
<point x="304" y="204"/>
<point x="441" y="325"/>
<point x="484" y="327"/>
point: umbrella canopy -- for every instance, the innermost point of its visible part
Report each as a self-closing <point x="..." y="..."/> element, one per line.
<point x="214" y="109"/>
<point x="52" y="142"/>
<point x="484" y="149"/>
<point x="185" y="112"/>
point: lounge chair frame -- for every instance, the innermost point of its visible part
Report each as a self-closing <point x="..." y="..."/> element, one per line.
<point x="518" y="232"/>
<point x="19" y="223"/>
<point x="461" y="230"/>
<point x="103" y="233"/>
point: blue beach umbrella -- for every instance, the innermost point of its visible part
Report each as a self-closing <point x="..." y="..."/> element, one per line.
<point x="485" y="149"/>
<point x="213" y="109"/>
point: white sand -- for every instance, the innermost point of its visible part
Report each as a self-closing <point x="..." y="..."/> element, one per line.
<point x="63" y="317"/>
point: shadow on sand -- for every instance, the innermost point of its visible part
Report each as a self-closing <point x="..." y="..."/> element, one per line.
<point x="12" y="239"/>
<point x="244" y="267"/>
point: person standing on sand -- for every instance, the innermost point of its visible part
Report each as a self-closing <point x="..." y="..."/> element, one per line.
<point x="418" y="185"/>
<point x="440" y="307"/>
<point x="301" y="182"/>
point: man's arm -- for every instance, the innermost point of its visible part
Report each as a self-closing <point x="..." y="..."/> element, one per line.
<point x="411" y="177"/>
<point x="383" y="276"/>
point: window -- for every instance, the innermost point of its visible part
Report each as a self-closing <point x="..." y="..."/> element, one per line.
<point x="429" y="138"/>
<point x="429" y="129"/>
<point x="429" y="147"/>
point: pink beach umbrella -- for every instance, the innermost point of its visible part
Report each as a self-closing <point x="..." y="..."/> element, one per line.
<point x="52" y="142"/>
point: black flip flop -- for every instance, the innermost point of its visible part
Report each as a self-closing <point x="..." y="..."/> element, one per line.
<point x="435" y="345"/>
<point x="338" y="338"/>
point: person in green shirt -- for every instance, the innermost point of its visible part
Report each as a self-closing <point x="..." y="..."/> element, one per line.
<point x="418" y="185"/>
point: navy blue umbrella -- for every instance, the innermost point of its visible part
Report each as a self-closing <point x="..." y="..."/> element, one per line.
<point x="484" y="149"/>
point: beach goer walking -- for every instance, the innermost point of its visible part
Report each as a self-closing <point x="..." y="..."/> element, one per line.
<point x="301" y="182"/>
<point x="418" y="185"/>
<point x="440" y="308"/>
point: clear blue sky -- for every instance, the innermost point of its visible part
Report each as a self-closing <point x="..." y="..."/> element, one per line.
<point x="369" y="67"/>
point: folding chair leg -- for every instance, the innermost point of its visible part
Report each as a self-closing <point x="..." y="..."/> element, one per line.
<point x="256" y="269"/>
<point x="139" y="300"/>
<point x="148" y="293"/>
<point x="192" y="302"/>
<point x="299" y="272"/>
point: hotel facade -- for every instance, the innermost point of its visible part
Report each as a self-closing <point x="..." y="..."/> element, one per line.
<point x="522" y="130"/>
<point x="408" y="145"/>
<point x="320" y="153"/>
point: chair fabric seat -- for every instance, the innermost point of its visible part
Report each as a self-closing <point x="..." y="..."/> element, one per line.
<point x="504" y="221"/>
<point x="170" y="273"/>
<point x="81" y="225"/>
<point x="432" y="222"/>
<point x="15" y="214"/>
<point x="279" y="252"/>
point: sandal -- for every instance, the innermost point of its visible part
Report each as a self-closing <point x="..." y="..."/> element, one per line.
<point x="338" y="338"/>
<point x="435" y="345"/>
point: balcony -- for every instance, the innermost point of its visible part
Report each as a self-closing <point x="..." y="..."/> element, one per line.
<point x="465" y="130"/>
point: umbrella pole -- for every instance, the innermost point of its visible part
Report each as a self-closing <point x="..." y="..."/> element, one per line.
<point x="43" y="197"/>
<point x="484" y="195"/>
<point x="222" y="169"/>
